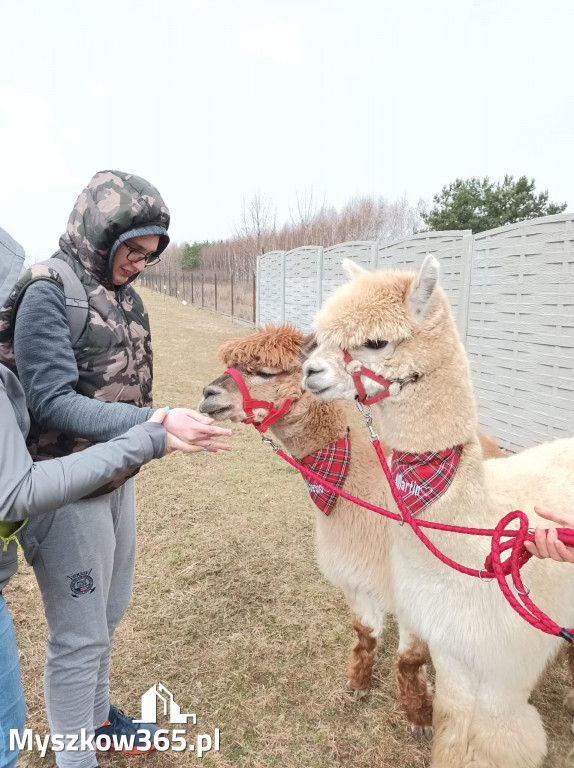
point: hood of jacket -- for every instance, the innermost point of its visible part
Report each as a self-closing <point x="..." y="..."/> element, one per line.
<point x="11" y="261"/>
<point x="113" y="204"/>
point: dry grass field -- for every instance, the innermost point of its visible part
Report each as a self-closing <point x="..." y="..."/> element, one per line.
<point x="229" y="609"/>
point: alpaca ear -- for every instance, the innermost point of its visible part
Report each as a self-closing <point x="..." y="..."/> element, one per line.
<point x="352" y="269"/>
<point x="423" y="288"/>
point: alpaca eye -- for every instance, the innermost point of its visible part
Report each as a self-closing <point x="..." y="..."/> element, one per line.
<point x="265" y="375"/>
<point x="375" y="343"/>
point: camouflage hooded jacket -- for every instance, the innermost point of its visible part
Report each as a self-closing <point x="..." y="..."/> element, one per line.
<point x="113" y="353"/>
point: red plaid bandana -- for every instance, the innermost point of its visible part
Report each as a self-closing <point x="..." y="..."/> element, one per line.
<point x="422" y="478"/>
<point x="332" y="463"/>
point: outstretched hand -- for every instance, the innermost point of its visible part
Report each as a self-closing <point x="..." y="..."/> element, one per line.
<point x="194" y="431"/>
<point x="175" y="443"/>
<point x="549" y="545"/>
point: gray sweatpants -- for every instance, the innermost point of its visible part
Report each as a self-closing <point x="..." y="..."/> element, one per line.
<point x="83" y="556"/>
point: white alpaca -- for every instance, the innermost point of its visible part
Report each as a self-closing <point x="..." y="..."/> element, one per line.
<point x="487" y="658"/>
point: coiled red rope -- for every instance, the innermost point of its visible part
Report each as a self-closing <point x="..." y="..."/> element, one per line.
<point x="494" y="566"/>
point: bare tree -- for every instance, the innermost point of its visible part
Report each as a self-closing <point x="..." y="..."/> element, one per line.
<point x="308" y="214"/>
<point x="171" y="258"/>
<point x="311" y="223"/>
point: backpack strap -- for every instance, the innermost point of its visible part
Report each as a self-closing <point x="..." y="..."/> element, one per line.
<point x="75" y="296"/>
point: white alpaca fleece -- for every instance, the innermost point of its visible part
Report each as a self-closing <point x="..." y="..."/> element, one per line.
<point x="487" y="658"/>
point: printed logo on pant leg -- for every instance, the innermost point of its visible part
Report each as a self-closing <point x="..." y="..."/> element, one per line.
<point x="81" y="583"/>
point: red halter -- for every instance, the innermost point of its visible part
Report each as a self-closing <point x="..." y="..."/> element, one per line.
<point x="249" y="404"/>
<point x="361" y="394"/>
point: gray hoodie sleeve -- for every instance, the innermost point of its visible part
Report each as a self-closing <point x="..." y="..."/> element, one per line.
<point x="49" y="374"/>
<point x="28" y="488"/>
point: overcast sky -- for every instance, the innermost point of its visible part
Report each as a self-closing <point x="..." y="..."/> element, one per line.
<point x="212" y="100"/>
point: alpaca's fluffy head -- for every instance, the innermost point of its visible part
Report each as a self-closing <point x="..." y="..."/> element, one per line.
<point x="275" y="347"/>
<point x="270" y="362"/>
<point x="399" y="325"/>
<point x="387" y="305"/>
<point x="387" y="320"/>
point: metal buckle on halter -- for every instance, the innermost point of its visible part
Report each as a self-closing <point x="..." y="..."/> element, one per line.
<point x="481" y="577"/>
<point x="270" y="442"/>
<point x="366" y="413"/>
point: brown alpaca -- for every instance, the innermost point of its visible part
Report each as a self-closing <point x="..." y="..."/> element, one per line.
<point x="487" y="658"/>
<point x="352" y="543"/>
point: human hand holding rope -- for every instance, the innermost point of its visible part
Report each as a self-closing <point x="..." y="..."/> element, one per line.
<point x="547" y="542"/>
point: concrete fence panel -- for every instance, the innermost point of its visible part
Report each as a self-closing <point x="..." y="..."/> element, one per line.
<point x="450" y="248"/>
<point x="270" y="288"/>
<point x="363" y="252"/>
<point x="302" y="267"/>
<point x="520" y="330"/>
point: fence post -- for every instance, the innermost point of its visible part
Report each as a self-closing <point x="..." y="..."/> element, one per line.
<point x="254" y="300"/>
<point x="192" y="287"/>
<point x="257" y="291"/>
<point x="467" y="251"/>
<point x="319" y="277"/>
<point x="283" y="258"/>
<point x="202" y="283"/>
<point x="215" y="284"/>
<point x="232" y="295"/>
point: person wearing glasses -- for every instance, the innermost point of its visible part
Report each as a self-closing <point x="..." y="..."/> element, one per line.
<point x="30" y="488"/>
<point x="83" y="553"/>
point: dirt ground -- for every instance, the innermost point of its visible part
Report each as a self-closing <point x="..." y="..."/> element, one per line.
<point x="229" y="610"/>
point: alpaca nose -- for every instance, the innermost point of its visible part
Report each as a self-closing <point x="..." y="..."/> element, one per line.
<point x="211" y="390"/>
<point x="311" y="368"/>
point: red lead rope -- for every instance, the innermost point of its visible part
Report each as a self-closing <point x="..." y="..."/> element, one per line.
<point x="518" y="557"/>
<point x="494" y="566"/>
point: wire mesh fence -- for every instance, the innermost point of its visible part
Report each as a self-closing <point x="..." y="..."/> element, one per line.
<point x="218" y="292"/>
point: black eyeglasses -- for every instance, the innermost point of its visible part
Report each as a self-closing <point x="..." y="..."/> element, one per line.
<point x="136" y="256"/>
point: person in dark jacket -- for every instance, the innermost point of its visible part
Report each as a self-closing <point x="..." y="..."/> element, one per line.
<point x="28" y="489"/>
<point x="83" y="554"/>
